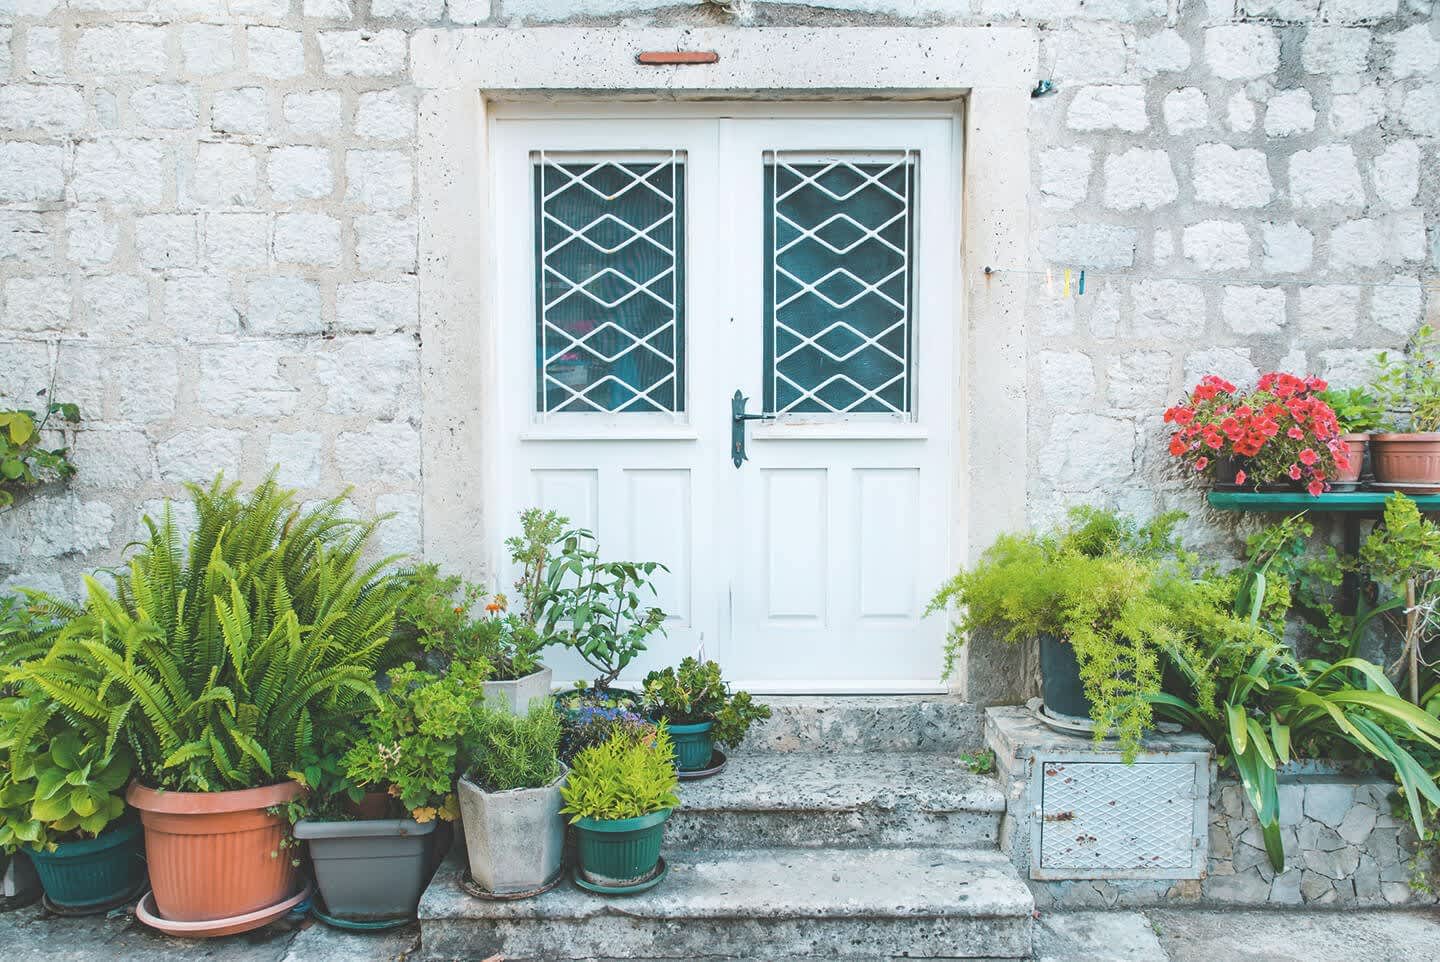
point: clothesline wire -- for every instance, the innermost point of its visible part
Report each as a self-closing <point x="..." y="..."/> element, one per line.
<point x="1432" y="284"/>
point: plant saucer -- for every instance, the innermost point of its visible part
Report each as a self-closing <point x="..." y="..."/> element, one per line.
<point x="359" y="925"/>
<point x="96" y="908"/>
<point x="717" y="762"/>
<point x="662" y="869"/>
<point x="1416" y="487"/>
<point x="472" y="887"/>
<point x="209" y="928"/>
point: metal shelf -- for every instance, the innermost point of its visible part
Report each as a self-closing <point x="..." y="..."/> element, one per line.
<point x="1349" y="502"/>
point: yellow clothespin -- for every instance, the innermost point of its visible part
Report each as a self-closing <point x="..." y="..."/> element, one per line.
<point x="1049" y="282"/>
<point x="1066" y="291"/>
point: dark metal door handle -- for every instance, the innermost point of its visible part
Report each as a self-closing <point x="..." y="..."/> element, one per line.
<point x="738" y="417"/>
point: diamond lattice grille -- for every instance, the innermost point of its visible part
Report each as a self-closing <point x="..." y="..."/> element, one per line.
<point x="838" y="318"/>
<point x="609" y="256"/>
<point x="1117" y="816"/>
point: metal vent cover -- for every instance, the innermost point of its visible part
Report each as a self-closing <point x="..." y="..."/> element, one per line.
<point x="1097" y="817"/>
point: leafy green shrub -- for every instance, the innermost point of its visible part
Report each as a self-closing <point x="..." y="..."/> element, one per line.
<point x="413" y="743"/>
<point x="443" y="616"/>
<point x="1357" y="409"/>
<point x="696" y="693"/>
<point x="590" y="724"/>
<point x="1408" y="385"/>
<point x="71" y="788"/>
<point x="629" y="775"/>
<point x="217" y="660"/>
<point x="510" y="751"/>
<point x="1120" y="593"/>
<point x="23" y="462"/>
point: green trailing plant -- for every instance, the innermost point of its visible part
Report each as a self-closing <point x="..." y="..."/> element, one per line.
<point x="697" y="693"/>
<point x="414" y="742"/>
<point x="595" y="608"/>
<point x="447" y="618"/>
<point x="629" y="775"/>
<point x="1121" y="594"/>
<point x="509" y="751"/>
<point x="216" y="657"/>
<point x="1408" y="384"/>
<point x="24" y="461"/>
<point x="1403" y="555"/>
<point x="329" y="791"/>
<point x="979" y="763"/>
<point x="1357" y="409"/>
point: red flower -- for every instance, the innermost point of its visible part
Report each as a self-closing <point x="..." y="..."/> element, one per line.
<point x="1239" y="477"/>
<point x="1294" y="472"/>
<point x="1295" y="432"/>
<point x="1177" y="444"/>
<point x="1202" y="463"/>
<point x="1315" y="487"/>
<point x="1308" y="457"/>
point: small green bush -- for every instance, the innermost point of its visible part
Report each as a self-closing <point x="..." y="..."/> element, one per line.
<point x="515" y="751"/>
<point x="697" y="693"/>
<point x="628" y="776"/>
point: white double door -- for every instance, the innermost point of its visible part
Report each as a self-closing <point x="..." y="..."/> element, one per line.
<point x="652" y="262"/>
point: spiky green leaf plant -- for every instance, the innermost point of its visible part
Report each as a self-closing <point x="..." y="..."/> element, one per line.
<point x="216" y="655"/>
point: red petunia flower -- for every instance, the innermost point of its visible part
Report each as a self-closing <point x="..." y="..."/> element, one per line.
<point x="1315" y="488"/>
<point x="1239" y="477"/>
<point x="1308" y="457"/>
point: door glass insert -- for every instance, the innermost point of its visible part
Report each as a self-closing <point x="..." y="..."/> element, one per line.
<point x="609" y="282"/>
<point x="839" y="240"/>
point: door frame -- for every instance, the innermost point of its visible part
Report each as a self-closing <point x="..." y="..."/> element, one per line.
<point x="983" y="73"/>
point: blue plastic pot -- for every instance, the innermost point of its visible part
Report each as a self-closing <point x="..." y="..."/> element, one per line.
<point x="94" y="872"/>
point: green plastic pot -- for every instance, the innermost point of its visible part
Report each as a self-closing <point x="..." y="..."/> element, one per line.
<point x="693" y="745"/>
<point x="622" y="851"/>
<point x="93" y="872"/>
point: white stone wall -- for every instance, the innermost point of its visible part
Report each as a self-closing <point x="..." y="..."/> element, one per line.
<point x="208" y="229"/>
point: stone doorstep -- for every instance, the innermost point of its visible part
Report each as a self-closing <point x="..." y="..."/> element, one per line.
<point x="867" y="723"/>
<point x="874" y="799"/>
<point x="826" y="903"/>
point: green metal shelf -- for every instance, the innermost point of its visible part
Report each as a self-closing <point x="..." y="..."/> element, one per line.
<point x="1349" y="502"/>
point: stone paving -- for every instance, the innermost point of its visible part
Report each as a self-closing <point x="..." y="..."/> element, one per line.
<point x="1153" y="935"/>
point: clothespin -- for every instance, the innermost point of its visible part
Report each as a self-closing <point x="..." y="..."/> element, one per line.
<point x="1049" y="282"/>
<point x="1065" y="291"/>
<point x="1082" y="284"/>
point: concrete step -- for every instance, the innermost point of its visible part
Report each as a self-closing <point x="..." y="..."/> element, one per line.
<point x="755" y="904"/>
<point x="867" y="723"/>
<point x="875" y="799"/>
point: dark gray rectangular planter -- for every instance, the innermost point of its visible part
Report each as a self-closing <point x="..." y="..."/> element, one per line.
<point x="516" y="695"/>
<point x="369" y="869"/>
<point x="515" y="839"/>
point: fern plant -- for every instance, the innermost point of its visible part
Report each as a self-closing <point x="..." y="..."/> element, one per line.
<point x="215" y="658"/>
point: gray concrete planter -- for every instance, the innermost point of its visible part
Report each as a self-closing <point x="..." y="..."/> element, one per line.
<point x="517" y="695"/>
<point x="516" y="839"/>
<point x="368" y="870"/>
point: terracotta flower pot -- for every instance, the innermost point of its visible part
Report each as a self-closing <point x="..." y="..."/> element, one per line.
<point x="1356" y="443"/>
<point x="1406" y="458"/>
<point x="216" y="855"/>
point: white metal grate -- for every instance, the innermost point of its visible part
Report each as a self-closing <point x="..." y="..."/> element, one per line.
<point x="609" y="283"/>
<point x="1113" y="817"/>
<point x="839" y="239"/>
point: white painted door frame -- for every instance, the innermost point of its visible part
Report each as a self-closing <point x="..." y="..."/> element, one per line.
<point x="465" y="73"/>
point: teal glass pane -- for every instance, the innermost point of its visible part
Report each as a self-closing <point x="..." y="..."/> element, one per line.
<point x="839" y="240"/>
<point x="609" y="285"/>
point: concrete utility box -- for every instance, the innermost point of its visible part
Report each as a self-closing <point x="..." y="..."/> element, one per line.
<point x="1075" y="810"/>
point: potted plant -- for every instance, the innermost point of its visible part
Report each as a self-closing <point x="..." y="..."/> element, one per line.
<point x="699" y="711"/>
<point x="1102" y="596"/>
<point x="1359" y="413"/>
<point x="618" y="795"/>
<point x="510" y="801"/>
<point x="1280" y="434"/>
<point x="1407" y="457"/>
<point x="370" y="864"/>
<point x="216" y="662"/>
<point x="63" y="806"/>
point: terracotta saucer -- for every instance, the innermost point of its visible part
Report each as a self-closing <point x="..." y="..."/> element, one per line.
<point x="210" y="928"/>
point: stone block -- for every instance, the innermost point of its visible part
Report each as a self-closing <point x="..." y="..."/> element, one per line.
<point x="1353" y="112"/>
<point x="25" y="238"/>
<point x="207" y="49"/>
<point x="385" y="241"/>
<point x="355" y="53"/>
<point x="35" y="305"/>
<point x="115" y="305"/>
<point x="1421" y="110"/>
<point x="44" y="54"/>
<point x="198" y="455"/>
<point x="468" y="11"/>
<point x="1326" y="176"/>
<point x="1359" y="10"/>
<point x="1415" y="51"/>
<point x="243" y="110"/>
<point x="1217" y="245"/>
<point x="300" y="173"/>
<point x="385" y="115"/>
<point x="166" y="241"/>
<point x="123" y="48"/>
<point x="248" y="380"/>
<point x="1139" y="178"/>
<point x="313" y="111"/>
<point x="1099" y="246"/>
<point x="167" y="106"/>
<point x="1398" y="307"/>
<point x="121" y="170"/>
<point x="1357" y="824"/>
<point x="1185" y="109"/>
<point x="55" y="527"/>
<point x="386" y="452"/>
<point x="1241" y="51"/>
<point x="307" y="238"/>
<point x="329" y="9"/>
<point x="1167" y="310"/>
<point x="1240" y="113"/>
<point x="399" y="533"/>
<point x="371" y="376"/>
<point x="1289" y="113"/>
<point x="1337" y="864"/>
<point x="284" y="305"/>
<point x="113" y="459"/>
<point x="53" y="108"/>
<point x="1395" y="173"/>
<point x="1108" y="107"/>
<point x="1328" y="802"/>
<point x="1067" y="378"/>
<point x="31" y="172"/>
<point x="1164" y="52"/>
<point x="1335" y="50"/>
<point x="1251" y="309"/>
<point x="379" y="179"/>
<point x="1086" y="451"/>
<point x="275" y="52"/>
<point x="199" y="306"/>
<point x="1136" y="381"/>
<point x="224" y="175"/>
<point x="382" y="306"/>
<point x="418" y="11"/>
<point x="1246" y="888"/>
<point x="1229" y="362"/>
<point x="237" y="239"/>
<point x="1231" y="177"/>
<point x="1349" y="367"/>
<point x="299" y="457"/>
<point x="1287" y="248"/>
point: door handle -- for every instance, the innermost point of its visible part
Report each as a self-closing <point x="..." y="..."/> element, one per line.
<point x="738" y="417"/>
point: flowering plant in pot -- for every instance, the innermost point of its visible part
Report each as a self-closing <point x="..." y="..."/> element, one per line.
<point x="1105" y="598"/>
<point x="216" y="658"/>
<point x="510" y="800"/>
<point x="1408" y="386"/>
<point x="1280" y="433"/>
<point x="699" y="710"/>
<point x="1359" y="413"/>
<point x="618" y="795"/>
